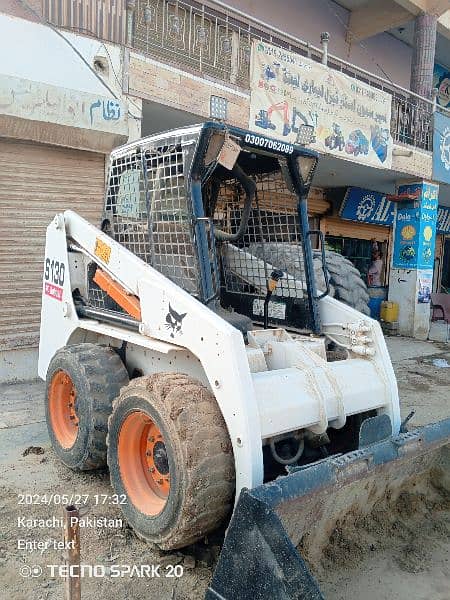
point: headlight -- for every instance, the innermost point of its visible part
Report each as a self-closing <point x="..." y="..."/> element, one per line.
<point x="305" y="135"/>
<point x="306" y="166"/>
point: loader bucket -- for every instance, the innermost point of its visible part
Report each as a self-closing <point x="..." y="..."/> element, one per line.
<point x="260" y="558"/>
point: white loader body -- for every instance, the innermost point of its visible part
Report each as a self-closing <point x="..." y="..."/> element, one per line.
<point x="277" y="383"/>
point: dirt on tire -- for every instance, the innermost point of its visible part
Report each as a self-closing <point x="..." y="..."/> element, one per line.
<point x="199" y="453"/>
<point x="98" y="374"/>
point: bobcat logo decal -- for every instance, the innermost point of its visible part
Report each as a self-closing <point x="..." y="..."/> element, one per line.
<point x="174" y="321"/>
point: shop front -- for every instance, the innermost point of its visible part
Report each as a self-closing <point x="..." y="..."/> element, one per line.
<point x="362" y="232"/>
<point x="441" y="281"/>
<point x="58" y="122"/>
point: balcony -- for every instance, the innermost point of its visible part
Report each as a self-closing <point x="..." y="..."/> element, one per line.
<point x="217" y="45"/>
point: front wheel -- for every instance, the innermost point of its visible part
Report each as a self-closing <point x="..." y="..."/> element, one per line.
<point x="169" y="453"/>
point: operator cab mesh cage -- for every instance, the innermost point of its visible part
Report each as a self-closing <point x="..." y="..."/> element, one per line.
<point x="148" y="210"/>
<point x="272" y="240"/>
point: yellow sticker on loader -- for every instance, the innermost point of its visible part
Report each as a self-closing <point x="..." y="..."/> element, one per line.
<point x="102" y="250"/>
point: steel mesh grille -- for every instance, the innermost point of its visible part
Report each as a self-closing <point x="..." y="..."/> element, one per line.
<point x="173" y="252"/>
<point x="97" y="297"/>
<point x="152" y="175"/>
<point x="272" y="239"/>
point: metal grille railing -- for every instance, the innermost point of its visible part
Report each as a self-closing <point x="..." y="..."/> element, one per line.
<point x="195" y="37"/>
<point x="104" y="19"/>
<point x="411" y="122"/>
<point x="217" y="43"/>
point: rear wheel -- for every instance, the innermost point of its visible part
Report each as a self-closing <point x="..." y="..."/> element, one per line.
<point x="170" y="454"/>
<point x="82" y="381"/>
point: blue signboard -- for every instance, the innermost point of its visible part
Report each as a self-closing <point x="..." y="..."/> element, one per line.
<point x="441" y="81"/>
<point x="366" y="206"/>
<point x="428" y="220"/>
<point x="441" y="148"/>
<point x="443" y="220"/>
<point x="415" y="228"/>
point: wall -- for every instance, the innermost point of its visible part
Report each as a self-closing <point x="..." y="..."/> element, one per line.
<point x="172" y="87"/>
<point x="45" y="81"/>
<point x="17" y="9"/>
<point x="306" y="20"/>
<point x="413" y="318"/>
<point x="37" y="53"/>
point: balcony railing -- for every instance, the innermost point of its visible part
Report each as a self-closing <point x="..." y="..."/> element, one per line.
<point x="104" y="19"/>
<point x="215" y="40"/>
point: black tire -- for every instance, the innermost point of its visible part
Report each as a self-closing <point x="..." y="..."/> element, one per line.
<point x="198" y="455"/>
<point x="97" y="374"/>
<point x="346" y="284"/>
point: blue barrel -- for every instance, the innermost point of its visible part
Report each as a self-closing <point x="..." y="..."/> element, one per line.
<point x="377" y="294"/>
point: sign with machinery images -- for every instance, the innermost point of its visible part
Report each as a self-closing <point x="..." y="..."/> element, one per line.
<point x="441" y="147"/>
<point x="441" y="81"/>
<point x="351" y="119"/>
<point x="415" y="227"/>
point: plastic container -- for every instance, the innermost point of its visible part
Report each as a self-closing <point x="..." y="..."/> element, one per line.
<point x="389" y="311"/>
<point x="375" y="307"/>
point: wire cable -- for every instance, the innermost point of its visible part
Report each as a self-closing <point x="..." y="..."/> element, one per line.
<point x="102" y="43"/>
<point x="348" y="30"/>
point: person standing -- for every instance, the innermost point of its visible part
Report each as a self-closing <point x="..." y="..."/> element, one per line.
<point x="374" y="274"/>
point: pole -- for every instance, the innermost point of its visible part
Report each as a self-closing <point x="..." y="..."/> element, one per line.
<point x="72" y="586"/>
<point x="324" y="39"/>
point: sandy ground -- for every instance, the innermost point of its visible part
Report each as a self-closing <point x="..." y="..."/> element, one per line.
<point x="401" y="553"/>
<point x="400" y="550"/>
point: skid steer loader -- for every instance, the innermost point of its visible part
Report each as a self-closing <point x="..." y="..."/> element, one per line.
<point x="185" y="343"/>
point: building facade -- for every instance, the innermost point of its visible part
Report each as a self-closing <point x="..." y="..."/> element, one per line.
<point x="87" y="76"/>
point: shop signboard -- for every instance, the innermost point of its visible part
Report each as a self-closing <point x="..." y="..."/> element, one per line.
<point x="415" y="227"/>
<point x="367" y="206"/>
<point x="441" y="81"/>
<point x="41" y="102"/>
<point x="425" y="285"/>
<point x="351" y="119"/>
<point x="443" y="220"/>
<point x="441" y="147"/>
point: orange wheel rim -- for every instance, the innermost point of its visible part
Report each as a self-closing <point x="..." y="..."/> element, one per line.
<point x="63" y="414"/>
<point x="143" y="463"/>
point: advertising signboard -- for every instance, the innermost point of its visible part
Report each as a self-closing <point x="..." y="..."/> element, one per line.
<point x="415" y="228"/>
<point x="350" y="118"/>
